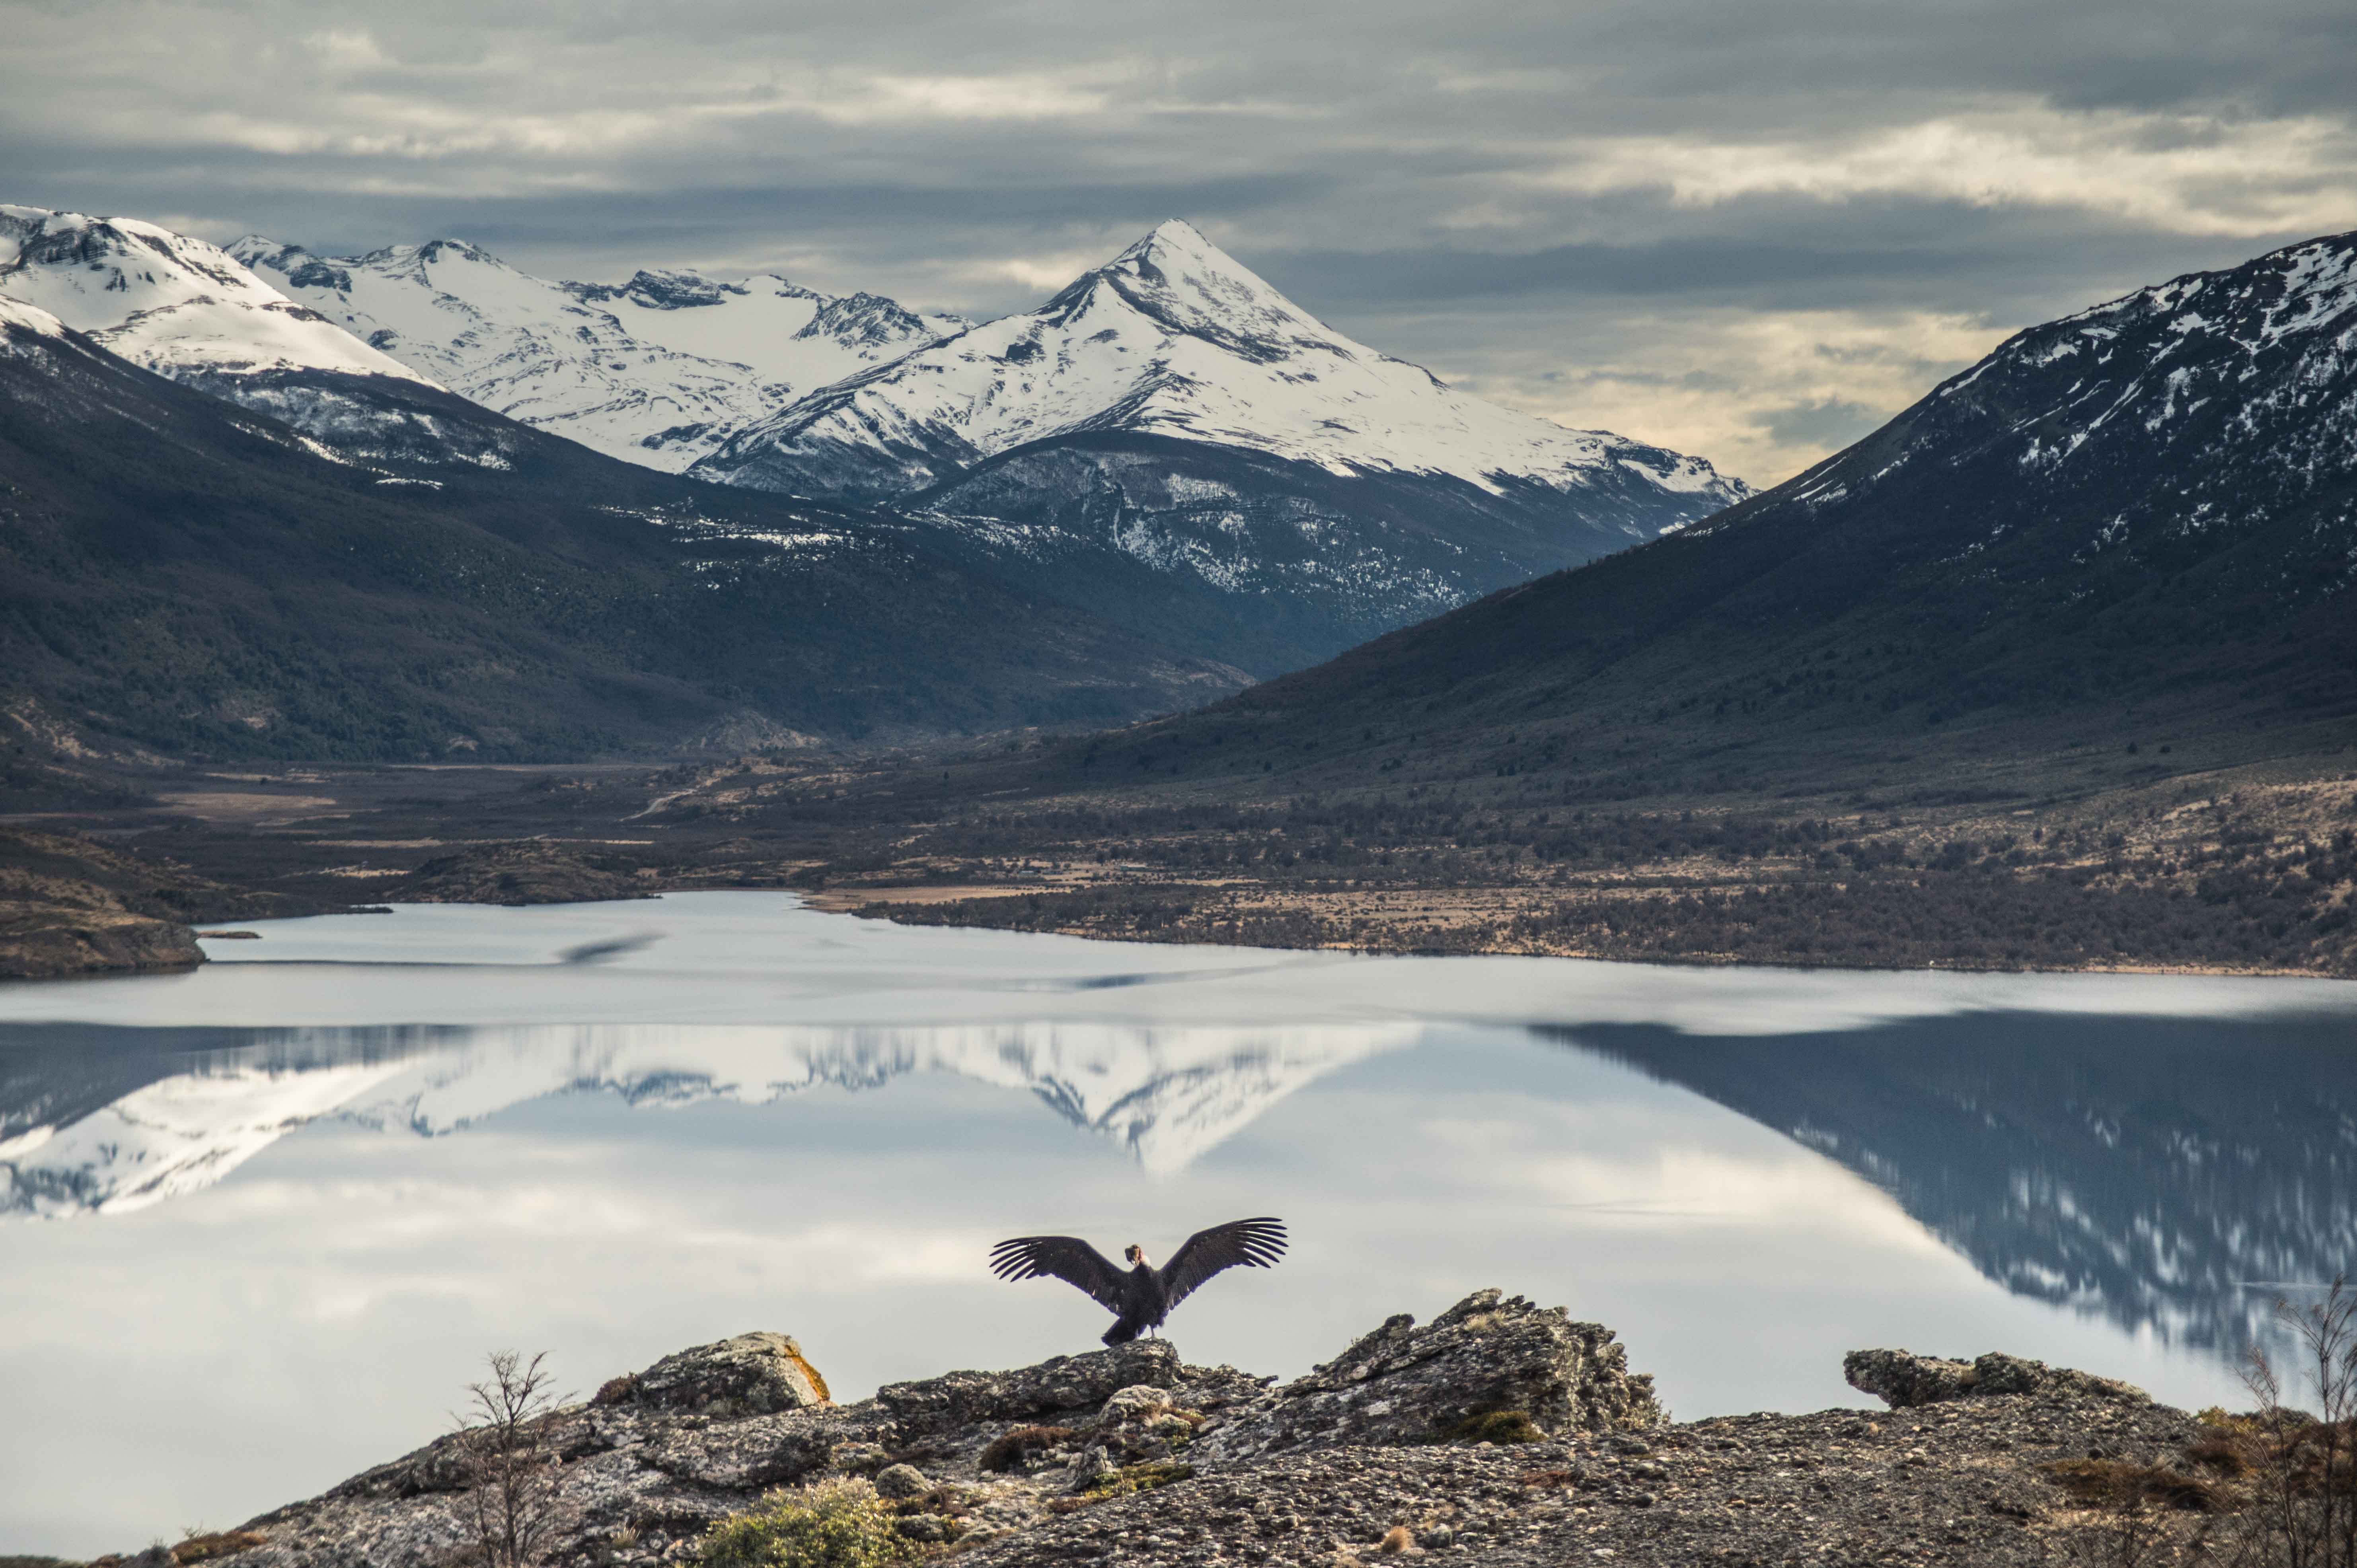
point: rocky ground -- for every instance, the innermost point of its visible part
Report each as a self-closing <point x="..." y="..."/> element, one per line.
<point x="1501" y="1434"/>
<point x="70" y="906"/>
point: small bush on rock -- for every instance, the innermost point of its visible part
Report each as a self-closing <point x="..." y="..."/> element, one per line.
<point x="1500" y="1426"/>
<point x="838" y="1523"/>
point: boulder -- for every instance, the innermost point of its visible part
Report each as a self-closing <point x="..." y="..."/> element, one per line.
<point x="1466" y="1375"/>
<point x="897" y="1483"/>
<point x="753" y="1374"/>
<point x="1902" y="1380"/>
<point x="1065" y="1384"/>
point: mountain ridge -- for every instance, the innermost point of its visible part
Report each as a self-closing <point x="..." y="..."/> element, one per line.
<point x="652" y="371"/>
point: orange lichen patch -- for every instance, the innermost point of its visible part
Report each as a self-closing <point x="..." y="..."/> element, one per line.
<point x="794" y="1352"/>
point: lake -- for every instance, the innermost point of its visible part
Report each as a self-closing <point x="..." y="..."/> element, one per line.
<point x="260" y="1223"/>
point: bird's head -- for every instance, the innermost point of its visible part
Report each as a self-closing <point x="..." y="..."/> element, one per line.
<point x="1135" y="1254"/>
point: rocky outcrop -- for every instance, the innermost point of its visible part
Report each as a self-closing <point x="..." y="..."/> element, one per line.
<point x="1503" y="1434"/>
<point x="73" y="905"/>
<point x="1489" y="1366"/>
<point x="527" y="872"/>
<point x="753" y="1374"/>
<point x="1902" y="1380"/>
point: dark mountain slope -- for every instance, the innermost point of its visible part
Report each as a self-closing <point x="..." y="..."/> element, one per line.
<point x="180" y="571"/>
<point x="2134" y="522"/>
<point x="1265" y="561"/>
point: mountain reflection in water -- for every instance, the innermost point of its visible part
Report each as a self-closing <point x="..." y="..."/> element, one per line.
<point x="2175" y="1176"/>
<point x="111" y="1121"/>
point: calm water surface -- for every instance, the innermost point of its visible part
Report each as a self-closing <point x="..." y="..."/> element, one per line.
<point x="259" y="1224"/>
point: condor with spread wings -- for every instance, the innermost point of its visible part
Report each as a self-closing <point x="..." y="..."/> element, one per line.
<point x="1142" y="1295"/>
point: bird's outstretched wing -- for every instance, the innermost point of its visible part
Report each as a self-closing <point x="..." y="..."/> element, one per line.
<point x="1067" y="1258"/>
<point x="1254" y="1243"/>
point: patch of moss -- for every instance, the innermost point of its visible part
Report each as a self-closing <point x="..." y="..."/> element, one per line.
<point x="829" y="1524"/>
<point x="1127" y="1481"/>
<point x="213" y="1545"/>
<point x="1498" y="1427"/>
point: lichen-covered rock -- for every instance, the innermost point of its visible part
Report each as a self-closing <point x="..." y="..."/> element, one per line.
<point x="753" y="1374"/>
<point x="1486" y="1356"/>
<point x="1902" y="1380"/>
<point x="743" y="1454"/>
<point x="897" y="1482"/>
<point x="1065" y="1384"/>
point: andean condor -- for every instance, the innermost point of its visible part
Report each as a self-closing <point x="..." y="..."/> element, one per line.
<point x="1142" y="1296"/>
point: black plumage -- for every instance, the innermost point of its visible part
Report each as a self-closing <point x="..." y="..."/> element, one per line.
<point x="1141" y="1296"/>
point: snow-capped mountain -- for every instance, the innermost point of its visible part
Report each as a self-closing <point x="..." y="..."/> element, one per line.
<point x="1169" y="1095"/>
<point x="2215" y="402"/>
<point x="1174" y="338"/>
<point x="655" y="371"/>
<point x="170" y="302"/>
<point x="1171" y="439"/>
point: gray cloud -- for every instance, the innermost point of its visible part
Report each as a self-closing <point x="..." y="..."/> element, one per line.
<point x="1690" y="221"/>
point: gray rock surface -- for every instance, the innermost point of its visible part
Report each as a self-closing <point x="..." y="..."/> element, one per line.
<point x="959" y="1399"/>
<point x="1402" y="1384"/>
<point x="1902" y="1380"/>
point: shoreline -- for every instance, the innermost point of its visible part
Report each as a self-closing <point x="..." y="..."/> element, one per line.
<point x="889" y="903"/>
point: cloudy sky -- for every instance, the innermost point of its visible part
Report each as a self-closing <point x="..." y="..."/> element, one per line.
<point x="1750" y="229"/>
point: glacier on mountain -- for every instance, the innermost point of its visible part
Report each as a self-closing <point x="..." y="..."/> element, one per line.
<point x="655" y="371"/>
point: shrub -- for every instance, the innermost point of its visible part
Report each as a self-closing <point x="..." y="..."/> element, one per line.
<point x="1500" y="1426"/>
<point x="211" y="1546"/>
<point x="828" y="1525"/>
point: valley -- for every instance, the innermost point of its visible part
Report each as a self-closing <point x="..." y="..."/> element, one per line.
<point x="2057" y="670"/>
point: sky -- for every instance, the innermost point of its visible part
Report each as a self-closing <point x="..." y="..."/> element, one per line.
<point x="1751" y="231"/>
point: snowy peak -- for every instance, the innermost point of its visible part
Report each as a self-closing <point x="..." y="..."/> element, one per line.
<point x="867" y="321"/>
<point x="1174" y="338"/>
<point x="1182" y="280"/>
<point x="176" y="305"/>
<point x="93" y="272"/>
